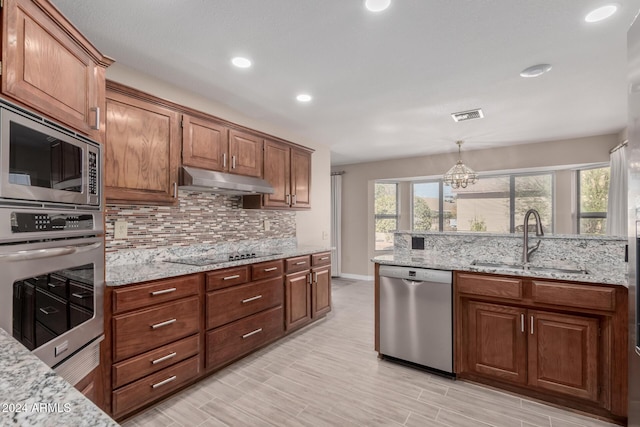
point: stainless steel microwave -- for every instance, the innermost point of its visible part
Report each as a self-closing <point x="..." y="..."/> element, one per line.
<point x="44" y="163"/>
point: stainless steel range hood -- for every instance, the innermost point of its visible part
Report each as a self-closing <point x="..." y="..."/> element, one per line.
<point x="225" y="183"/>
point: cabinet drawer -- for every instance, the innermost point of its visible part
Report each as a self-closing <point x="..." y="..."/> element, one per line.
<point x="298" y="263"/>
<point x="154" y="386"/>
<point x="266" y="270"/>
<point x="155" y="360"/>
<point x="226" y="305"/>
<point x="229" y="342"/>
<point x="143" y="330"/>
<point x="574" y="295"/>
<point x="139" y="296"/>
<point x="490" y="286"/>
<point x="323" y="258"/>
<point x="227" y="277"/>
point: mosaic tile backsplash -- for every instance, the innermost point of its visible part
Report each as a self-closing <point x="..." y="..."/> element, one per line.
<point x="199" y="218"/>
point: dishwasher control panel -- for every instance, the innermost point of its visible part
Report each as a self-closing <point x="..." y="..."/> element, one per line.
<point x="416" y="274"/>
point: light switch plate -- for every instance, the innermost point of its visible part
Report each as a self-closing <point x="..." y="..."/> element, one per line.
<point x="120" y="231"/>
<point x="267" y="225"/>
<point x="325" y="235"/>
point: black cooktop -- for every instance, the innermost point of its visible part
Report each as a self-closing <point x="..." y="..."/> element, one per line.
<point x="218" y="259"/>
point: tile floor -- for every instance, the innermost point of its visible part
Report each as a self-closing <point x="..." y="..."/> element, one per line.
<point x="327" y="374"/>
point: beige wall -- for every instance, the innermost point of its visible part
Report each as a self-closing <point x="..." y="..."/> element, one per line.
<point x="358" y="183"/>
<point x="311" y="226"/>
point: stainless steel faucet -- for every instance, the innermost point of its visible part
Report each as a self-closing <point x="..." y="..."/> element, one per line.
<point x="526" y="251"/>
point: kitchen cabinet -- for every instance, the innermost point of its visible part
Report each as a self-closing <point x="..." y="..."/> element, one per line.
<point x="288" y="169"/>
<point x="155" y="340"/>
<point x="209" y="144"/>
<point x="242" y="314"/>
<point x="245" y="153"/>
<point x="205" y="144"/>
<point x="142" y="149"/>
<point x="554" y="340"/>
<point x="307" y="289"/>
<point x="49" y="66"/>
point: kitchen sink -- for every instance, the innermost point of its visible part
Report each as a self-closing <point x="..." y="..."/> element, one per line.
<point x="507" y="266"/>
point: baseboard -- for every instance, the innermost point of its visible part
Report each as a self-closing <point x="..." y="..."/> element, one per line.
<point x="355" y="277"/>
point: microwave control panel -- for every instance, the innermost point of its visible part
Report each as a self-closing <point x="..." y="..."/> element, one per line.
<point x="28" y="222"/>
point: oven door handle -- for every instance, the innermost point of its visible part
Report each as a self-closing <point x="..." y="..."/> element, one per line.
<point x="48" y="253"/>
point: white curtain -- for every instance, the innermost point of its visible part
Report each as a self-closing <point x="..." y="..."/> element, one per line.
<point x="617" y="208"/>
<point x="336" y="224"/>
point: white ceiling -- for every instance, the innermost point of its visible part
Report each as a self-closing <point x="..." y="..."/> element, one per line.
<point x="383" y="84"/>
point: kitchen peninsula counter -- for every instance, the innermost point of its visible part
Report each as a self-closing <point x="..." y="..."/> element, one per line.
<point x="601" y="256"/>
<point x="32" y="394"/>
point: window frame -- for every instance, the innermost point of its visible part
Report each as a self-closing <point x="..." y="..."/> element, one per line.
<point x="587" y="215"/>
<point x="512" y="196"/>
<point x="376" y="216"/>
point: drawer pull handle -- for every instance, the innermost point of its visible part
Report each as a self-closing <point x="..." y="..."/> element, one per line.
<point x="531" y="325"/>
<point x="324" y="258"/>
<point x="251" y="299"/>
<point x="235" y="276"/>
<point x="521" y="322"/>
<point x="270" y="269"/>
<point x="163" y="291"/>
<point x="53" y="285"/>
<point x="163" y="358"/>
<point x="315" y="276"/>
<point x="301" y="262"/>
<point x="49" y="310"/>
<point x="82" y="295"/>
<point x="161" y="324"/>
<point x="163" y="382"/>
<point x="257" y="331"/>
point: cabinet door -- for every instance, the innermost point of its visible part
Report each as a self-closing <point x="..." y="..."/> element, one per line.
<point x="277" y="172"/>
<point x="300" y="178"/>
<point x="46" y="68"/>
<point x="142" y="151"/>
<point x="563" y="353"/>
<point x="298" y="299"/>
<point x="321" y="291"/>
<point x="245" y="151"/>
<point x="204" y="144"/>
<point x="497" y="341"/>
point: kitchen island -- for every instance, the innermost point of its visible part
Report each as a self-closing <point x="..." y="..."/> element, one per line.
<point x="554" y="329"/>
<point x="32" y="394"/>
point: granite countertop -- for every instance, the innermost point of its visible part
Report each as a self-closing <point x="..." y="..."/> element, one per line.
<point x="31" y="394"/>
<point x="124" y="274"/>
<point x="598" y="273"/>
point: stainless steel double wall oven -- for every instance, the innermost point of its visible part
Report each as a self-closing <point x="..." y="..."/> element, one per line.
<point x="51" y="241"/>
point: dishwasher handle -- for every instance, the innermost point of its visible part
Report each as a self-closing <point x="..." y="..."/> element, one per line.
<point x="416" y="274"/>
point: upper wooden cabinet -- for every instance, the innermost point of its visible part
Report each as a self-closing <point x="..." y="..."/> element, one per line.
<point x="245" y="153"/>
<point x="142" y="149"/>
<point x="49" y="66"/>
<point x="205" y="144"/>
<point x="288" y="169"/>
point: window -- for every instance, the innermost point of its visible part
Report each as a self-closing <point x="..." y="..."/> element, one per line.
<point x="494" y="204"/>
<point x="593" y="196"/>
<point x="386" y="214"/>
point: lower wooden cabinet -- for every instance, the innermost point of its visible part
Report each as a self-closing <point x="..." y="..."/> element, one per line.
<point x="166" y="334"/>
<point x="497" y="344"/>
<point x="236" y="339"/>
<point x="563" y="342"/>
<point x="152" y="387"/>
<point x="564" y="353"/>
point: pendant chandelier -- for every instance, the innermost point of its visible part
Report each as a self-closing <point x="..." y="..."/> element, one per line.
<point x="460" y="175"/>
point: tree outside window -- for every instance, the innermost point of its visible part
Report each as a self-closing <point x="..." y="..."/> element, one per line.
<point x="593" y="197"/>
<point x="386" y="214"/>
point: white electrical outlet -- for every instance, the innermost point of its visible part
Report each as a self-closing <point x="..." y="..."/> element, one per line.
<point x="120" y="231"/>
<point x="267" y="225"/>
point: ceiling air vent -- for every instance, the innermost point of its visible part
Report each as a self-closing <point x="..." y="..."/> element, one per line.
<point x="467" y="115"/>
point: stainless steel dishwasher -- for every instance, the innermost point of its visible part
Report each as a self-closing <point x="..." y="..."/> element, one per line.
<point x="416" y="316"/>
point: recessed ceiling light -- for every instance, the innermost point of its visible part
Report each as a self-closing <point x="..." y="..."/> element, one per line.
<point x="377" y="5"/>
<point x="535" y="70"/>
<point x="601" y="13"/>
<point x="241" y="62"/>
<point x="304" y="97"/>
